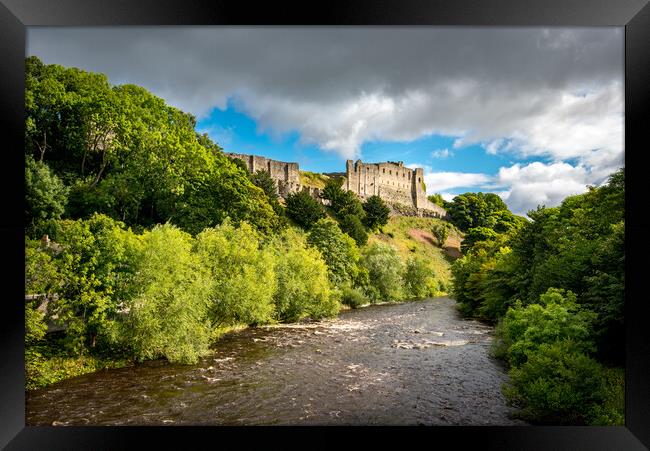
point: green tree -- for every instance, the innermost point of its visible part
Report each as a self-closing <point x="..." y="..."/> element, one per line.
<point x="125" y="153"/>
<point x="385" y="272"/>
<point x="92" y="262"/>
<point x="45" y="195"/>
<point x="476" y="235"/>
<point x="557" y="384"/>
<point x="419" y="279"/>
<point x="333" y="190"/>
<point x="342" y="202"/>
<point x="437" y="199"/>
<point x="557" y="316"/>
<point x="471" y="210"/>
<point x="377" y="212"/>
<point x="303" y="209"/>
<point x="302" y="280"/>
<point x="352" y="225"/>
<point x="169" y="303"/>
<point x="440" y="231"/>
<point x="242" y="274"/>
<point x="339" y="251"/>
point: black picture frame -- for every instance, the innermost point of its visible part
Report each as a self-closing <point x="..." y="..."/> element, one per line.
<point x="16" y="15"/>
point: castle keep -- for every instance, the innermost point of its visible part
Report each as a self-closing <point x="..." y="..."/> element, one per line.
<point x="394" y="183"/>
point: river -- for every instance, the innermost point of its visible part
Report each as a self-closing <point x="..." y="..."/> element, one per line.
<point x="416" y="363"/>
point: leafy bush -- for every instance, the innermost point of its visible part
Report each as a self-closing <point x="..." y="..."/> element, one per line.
<point x="557" y="384"/>
<point x="168" y="311"/>
<point x="242" y="274"/>
<point x="476" y="235"/>
<point x="342" y="202"/>
<point x="440" y="231"/>
<point x="385" y="270"/>
<point x="302" y="281"/>
<point x="352" y="225"/>
<point x="436" y="199"/>
<point x="353" y="297"/>
<point x="339" y="251"/>
<point x="93" y="266"/>
<point x="556" y="317"/>
<point x="45" y="195"/>
<point x="419" y="280"/>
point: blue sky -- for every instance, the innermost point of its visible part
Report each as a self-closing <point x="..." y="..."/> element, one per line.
<point x="533" y="114"/>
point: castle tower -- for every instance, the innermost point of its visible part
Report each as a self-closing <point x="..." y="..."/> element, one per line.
<point x="420" y="198"/>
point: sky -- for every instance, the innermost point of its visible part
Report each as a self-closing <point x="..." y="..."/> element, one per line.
<point x="532" y="114"/>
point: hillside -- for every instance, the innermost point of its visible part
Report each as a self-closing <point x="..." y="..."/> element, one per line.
<point x="411" y="236"/>
<point x="313" y="179"/>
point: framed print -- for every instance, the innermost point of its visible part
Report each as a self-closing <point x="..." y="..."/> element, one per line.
<point x="398" y="214"/>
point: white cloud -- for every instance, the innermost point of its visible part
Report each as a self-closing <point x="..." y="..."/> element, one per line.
<point x="541" y="184"/>
<point x="441" y="181"/>
<point x="522" y="187"/>
<point x="441" y="153"/>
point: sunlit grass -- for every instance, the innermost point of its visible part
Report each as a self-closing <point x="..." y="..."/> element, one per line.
<point x="396" y="233"/>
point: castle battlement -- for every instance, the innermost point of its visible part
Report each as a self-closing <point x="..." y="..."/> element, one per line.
<point x="390" y="180"/>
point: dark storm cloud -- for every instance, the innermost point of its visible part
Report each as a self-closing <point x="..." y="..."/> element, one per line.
<point x="323" y="64"/>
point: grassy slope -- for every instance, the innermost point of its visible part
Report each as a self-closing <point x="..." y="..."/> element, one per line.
<point x="411" y="236"/>
<point x="312" y="179"/>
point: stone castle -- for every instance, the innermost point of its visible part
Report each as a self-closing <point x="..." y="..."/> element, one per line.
<point x="402" y="188"/>
<point x="392" y="182"/>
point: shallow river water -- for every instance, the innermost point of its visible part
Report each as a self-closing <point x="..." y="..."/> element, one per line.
<point x="397" y="364"/>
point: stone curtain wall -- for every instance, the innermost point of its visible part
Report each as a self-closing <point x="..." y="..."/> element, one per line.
<point x="285" y="174"/>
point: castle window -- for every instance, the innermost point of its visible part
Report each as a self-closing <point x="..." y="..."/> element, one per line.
<point x="383" y="170"/>
<point x="419" y="179"/>
<point x="390" y="172"/>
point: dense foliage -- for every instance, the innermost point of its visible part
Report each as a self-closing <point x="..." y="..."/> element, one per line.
<point x="339" y="251"/>
<point x="303" y="209"/>
<point x="303" y="287"/>
<point x="437" y="199"/>
<point x="242" y="274"/>
<point x="385" y="272"/>
<point x="555" y="284"/>
<point x="123" y="152"/>
<point x="419" y="279"/>
<point x="440" y="231"/>
<point x="377" y="212"/>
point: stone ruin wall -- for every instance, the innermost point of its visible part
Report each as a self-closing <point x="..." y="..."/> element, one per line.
<point x="393" y="183"/>
<point x="287" y="175"/>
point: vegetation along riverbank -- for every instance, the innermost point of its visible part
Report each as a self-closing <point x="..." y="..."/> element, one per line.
<point x="554" y="286"/>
